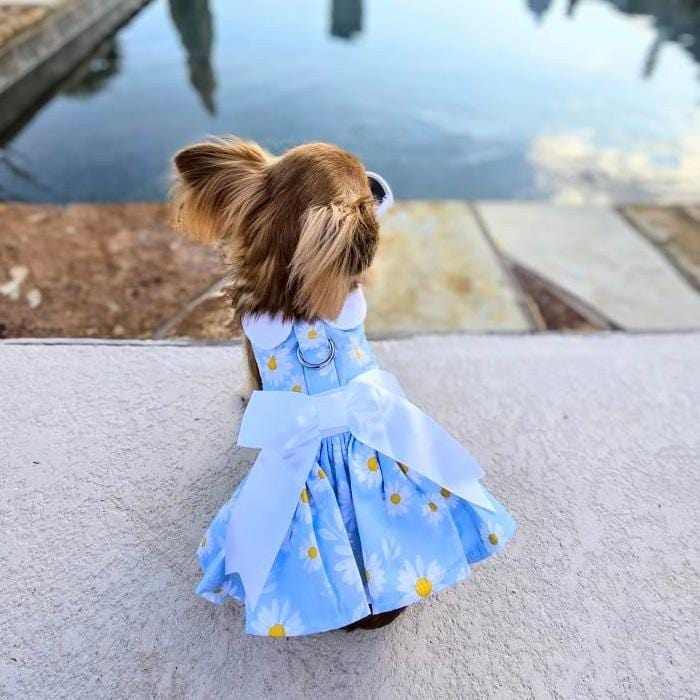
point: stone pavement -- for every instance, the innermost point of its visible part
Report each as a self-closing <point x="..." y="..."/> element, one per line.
<point x="117" y="456"/>
<point x="17" y="17"/>
<point x="118" y="271"/>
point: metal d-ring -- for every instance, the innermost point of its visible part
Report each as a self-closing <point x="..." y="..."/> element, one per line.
<point x="318" y="365"/>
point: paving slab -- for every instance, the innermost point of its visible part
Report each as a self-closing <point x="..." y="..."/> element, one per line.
<point x="595" y="255"/>
<point x="115" y="457"/>
<point x="676" y="230"/>
<point x="435" y="271"/>
<point x="16" y="17"/>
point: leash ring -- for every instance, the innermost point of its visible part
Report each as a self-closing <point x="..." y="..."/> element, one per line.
<point x="318" y="365"/>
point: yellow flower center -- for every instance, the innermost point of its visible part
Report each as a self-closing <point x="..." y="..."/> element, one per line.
<point x="423" y="587"/>
<point x="445" y="493"/>
<point x="304" y="496"/>
<point x="272" y="363"/>
<point x="312" y="552"/>
<point x="395" y="498"/>
<point x="312" y="334"/>
<point x="372" y="464"/>
<point x="368" y="575"/>
<point x="277" y="631"/>
<point x="493" y="539"/>
<point x="403" y="468"/>
<point x="203" y="543"/>
<point x="432" y="506"/>
<point x="297" y="388"/>
<point x="357" y="353"/>
<point x="321" y="474"/>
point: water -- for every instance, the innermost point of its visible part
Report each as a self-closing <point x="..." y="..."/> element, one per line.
<point x="576" y="101"/>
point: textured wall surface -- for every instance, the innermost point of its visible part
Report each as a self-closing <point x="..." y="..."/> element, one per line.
<point x="114" y="458"/>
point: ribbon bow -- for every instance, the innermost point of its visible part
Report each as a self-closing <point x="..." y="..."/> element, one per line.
<point x="288" y="427"/>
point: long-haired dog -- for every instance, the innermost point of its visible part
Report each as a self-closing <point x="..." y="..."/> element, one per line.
<point x="298" y="231"/>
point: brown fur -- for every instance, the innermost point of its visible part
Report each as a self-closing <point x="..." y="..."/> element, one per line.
<point x="298" y="231"/>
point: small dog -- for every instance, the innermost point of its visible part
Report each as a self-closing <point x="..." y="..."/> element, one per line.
<point x="299" y="231"/>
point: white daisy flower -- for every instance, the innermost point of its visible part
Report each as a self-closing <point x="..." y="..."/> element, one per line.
<point x="309" y="554"/>
<point x="270" y="585"/>
<point x="362" y="610"/>
<point x="357" y="353"/>
<point x="347" y="566"/>
<point x="448" y="498"/>
<point x="418" y="581"/>
<point x="277" y="621"/>
<point x="492" y="535"/>
<point x="313" y="337"/>
<point x="434" y="508"/>
<point x="206" y="544"/>
<point x="304" y="509"/>
<point x="295" y="382"/>
<point x="276" y="367"/>
<point x="464" y="572"/>
<point x="366" y="468"/>
<point x="390" y="549"/>
<point x="375" y="578"/>
<point x="397" y="498"/>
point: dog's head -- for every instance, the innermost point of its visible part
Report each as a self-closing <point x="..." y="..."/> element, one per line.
<point x="299" y="230"/>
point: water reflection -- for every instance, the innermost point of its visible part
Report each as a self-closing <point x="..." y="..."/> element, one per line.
<point x="539" y="8"/>
<point x="193" y="21"/>
<point x="94" y="74"/>
<point x="346" y="18"/>
<point x="677" y="22"/>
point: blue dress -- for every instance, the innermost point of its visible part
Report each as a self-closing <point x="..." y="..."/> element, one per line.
<point x="369" y="534"/>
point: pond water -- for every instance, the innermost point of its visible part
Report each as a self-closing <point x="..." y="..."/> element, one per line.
<point x="571" y="100"/>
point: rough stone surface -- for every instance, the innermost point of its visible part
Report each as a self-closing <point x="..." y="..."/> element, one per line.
<point x="114" y="459"/>
<point x="596" y="256"/>
<point x="676" y="230"/>
<point x="16" y="18"/>
<point x="435" y="271"/>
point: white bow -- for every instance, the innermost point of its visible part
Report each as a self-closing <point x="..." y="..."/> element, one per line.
<point x="289" y="427"/>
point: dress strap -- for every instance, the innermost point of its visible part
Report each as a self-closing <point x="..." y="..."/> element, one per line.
<point x="316" y="355"/>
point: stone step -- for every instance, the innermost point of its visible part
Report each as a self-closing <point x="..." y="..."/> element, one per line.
<point x="119" y="271"/>
<point x="436" y="272"/>
<point x="597" y="257"/>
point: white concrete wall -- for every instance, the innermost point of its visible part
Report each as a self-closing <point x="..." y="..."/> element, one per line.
<point x="114" y="458"/>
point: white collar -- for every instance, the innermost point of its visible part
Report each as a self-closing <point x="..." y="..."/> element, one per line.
<point x="268" y="332"/>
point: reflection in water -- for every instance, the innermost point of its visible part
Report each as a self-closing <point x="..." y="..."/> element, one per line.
<point x="539" y="8"/>
<point x="92" y="75"/>
<point x="674" y="21"/>
<point x="193" y="21"/>
<point x="576" y="170"/>
<point x="346" y="18"/>
<point x="678" y="22"/>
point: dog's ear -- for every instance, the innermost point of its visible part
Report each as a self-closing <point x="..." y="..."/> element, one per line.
<point x="217" y="184"/>
<point x="336" y="246"/>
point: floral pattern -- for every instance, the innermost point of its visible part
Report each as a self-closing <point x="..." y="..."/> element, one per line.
<point x="368" y="534"/>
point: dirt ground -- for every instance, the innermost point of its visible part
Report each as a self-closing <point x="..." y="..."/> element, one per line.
<point x="114" y="271"/>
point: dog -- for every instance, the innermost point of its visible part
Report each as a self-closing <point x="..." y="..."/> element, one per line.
<point x="298" y="232"/>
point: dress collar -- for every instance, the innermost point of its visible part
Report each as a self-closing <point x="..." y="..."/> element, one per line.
<point x="268" y="332"/>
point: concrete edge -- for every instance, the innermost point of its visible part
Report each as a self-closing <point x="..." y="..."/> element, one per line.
<point x="599" y="336"/>
<point x="36" y="60"/>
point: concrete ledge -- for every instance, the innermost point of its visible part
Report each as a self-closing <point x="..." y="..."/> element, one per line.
<point x="114" y="458"/>
<point x="35" y="60"/>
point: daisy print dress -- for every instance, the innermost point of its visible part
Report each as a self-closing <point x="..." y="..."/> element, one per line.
<point x="367" y="533"/>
